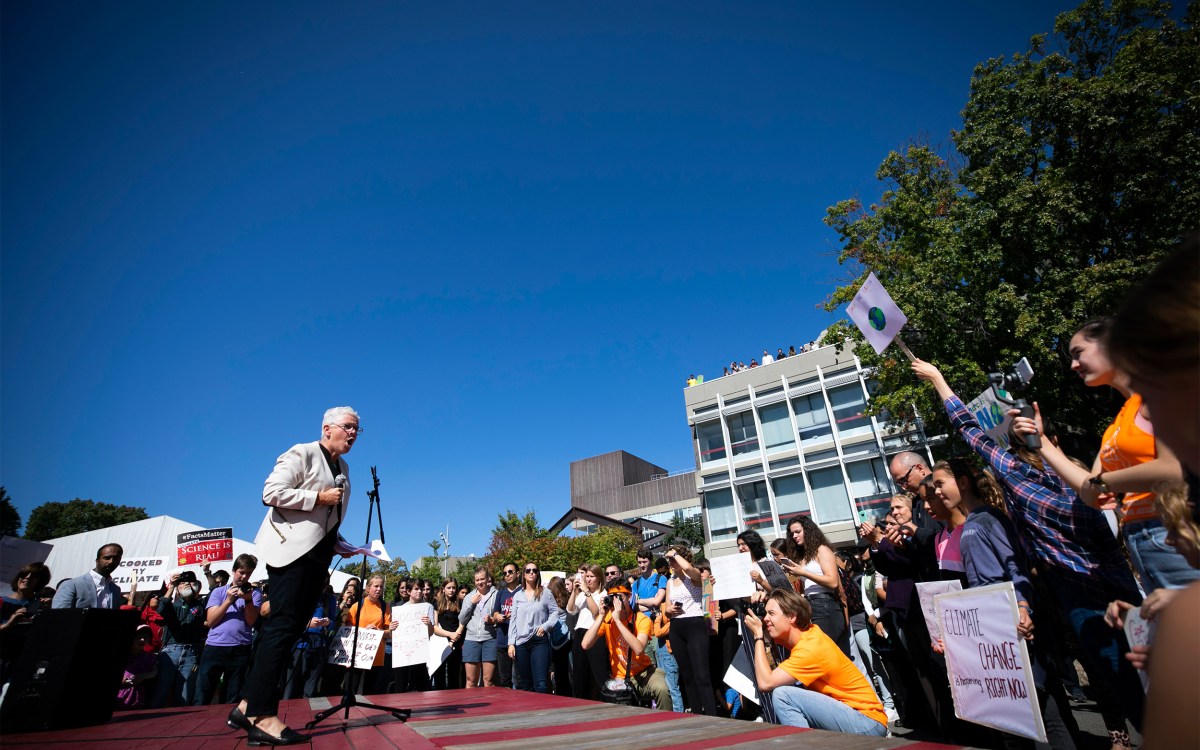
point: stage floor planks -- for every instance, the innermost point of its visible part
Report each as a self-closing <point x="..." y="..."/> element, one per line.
<point x="491" y="718"/>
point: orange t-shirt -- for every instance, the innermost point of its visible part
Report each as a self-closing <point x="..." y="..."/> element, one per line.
<point x="372" y="615"/>
<point x="1126" y="444"/>
<point x="818" y="663"/>
<point x="618" y="649"/>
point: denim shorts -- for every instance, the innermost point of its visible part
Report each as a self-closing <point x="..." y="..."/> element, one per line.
<point x="475" y="652"/>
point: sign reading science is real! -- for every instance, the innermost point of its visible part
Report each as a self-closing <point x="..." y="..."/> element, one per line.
<point x="207" y="545"/>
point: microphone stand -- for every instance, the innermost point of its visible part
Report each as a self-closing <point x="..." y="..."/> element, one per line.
<point x="349" y="699"/>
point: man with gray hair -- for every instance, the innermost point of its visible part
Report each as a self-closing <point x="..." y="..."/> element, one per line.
<point x="908" y="469"/>
<point x="306" y="495"/>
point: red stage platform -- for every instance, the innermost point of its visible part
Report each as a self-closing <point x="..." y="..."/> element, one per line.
<point x="491" y="718"/>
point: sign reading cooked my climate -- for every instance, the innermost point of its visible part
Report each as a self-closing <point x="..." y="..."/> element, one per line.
<point x="988" y="661"/>
<point x="206" y="545"/>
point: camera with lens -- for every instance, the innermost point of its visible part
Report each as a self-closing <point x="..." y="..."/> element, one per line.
<point x="608" y="601"/>
<point x="1015" y="380"/>
<point x="758" y="608"/>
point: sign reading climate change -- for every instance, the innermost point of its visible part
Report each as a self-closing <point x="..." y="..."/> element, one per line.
<point x="988" y="662"/>
<point x="207" y="545"/>
<point x="875" y="314"/>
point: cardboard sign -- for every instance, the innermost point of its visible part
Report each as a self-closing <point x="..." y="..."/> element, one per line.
<point x="410" y="639"/>
<point x="439" y="651"/>
<point x="992" y="416"/>
<point x="926" y="592"/>
<point x="731" y="576"/>
<point x="875" y="314"/>
<point x="369" y="642"/>
<point x="1140" y="632"/>
<point x="16" y="553"/>
<point x="712" y="609"/>
<point x="207" y="545"/>
<point x="988" y="663"/>
<point x="146" y="572"/>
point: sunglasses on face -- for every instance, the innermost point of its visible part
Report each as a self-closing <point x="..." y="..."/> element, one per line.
<point x="531" y="570"/>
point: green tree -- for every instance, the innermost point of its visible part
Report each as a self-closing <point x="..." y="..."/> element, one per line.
<point x="10" y="518"/>
<point x="689" y="531"/>
<point x="54" y="519"/>
<point x="1075" y="171"/>
<point x="520" y="539"/>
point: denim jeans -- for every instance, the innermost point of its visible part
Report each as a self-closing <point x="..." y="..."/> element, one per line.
<point x="176" y="683"/>
<point x="670" y="669"/>
<point x="1156" y="562"/>
<point x="533" y="664"/>
<point x="800" y="707"/>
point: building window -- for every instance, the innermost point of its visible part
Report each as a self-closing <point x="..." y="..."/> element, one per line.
<point x="812" y="419"/>
<point x="743" y="437"/>
<point x="870" y="489"/>
<point x="848" y="404"/>
<point x="756" y="506"/>
<point x="712" y="442"/>
<point x="722" y="522"/>
<point x="829" y="499"/>
<point x="790" y="497"/>
<point x="776" y="427"/>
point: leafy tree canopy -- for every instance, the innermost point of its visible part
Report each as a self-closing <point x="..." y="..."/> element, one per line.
<point x="54" y="519"/>
<point x="10" y="518"/>
<point x="1076" y="170"/>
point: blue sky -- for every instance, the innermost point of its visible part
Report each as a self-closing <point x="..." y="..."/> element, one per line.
<point x="504" y="232"/>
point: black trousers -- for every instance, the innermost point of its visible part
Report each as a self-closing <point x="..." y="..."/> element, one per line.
<point x="295" y="589"/>
<point x="689" y="643"/>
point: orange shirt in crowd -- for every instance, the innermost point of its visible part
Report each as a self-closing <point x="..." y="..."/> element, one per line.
<point x="818" y="664"/>
<point x="372" y="616"/>
<point x="618" y="649"/>
<point x="1127" y="444"/>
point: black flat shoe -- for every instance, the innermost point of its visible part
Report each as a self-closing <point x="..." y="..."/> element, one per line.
<point x="256" y="737"/>
<point x="238" y="720"/>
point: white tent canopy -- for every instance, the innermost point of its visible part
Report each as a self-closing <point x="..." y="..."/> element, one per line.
<point x="74" y="555"/>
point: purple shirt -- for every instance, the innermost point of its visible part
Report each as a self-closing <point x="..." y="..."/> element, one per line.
<point x="232" y="630"/>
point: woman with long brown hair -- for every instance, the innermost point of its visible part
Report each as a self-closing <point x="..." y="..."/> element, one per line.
<point x="809" y="556"/>
<point x="534" y="612"/>
<point x="689" y="631"/>
<point x="448" y="676"/>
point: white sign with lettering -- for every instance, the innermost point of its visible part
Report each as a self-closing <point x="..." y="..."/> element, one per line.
<point x="369" y="642"/>
<point x="988" y="663"/>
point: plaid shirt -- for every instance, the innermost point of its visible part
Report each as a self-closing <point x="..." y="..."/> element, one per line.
<point x="1054" y="525"/>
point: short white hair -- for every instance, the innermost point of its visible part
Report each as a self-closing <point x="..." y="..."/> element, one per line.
<point x="337" y="414"/>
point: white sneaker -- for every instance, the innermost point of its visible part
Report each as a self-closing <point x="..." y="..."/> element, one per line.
<point x="892" y="715"/>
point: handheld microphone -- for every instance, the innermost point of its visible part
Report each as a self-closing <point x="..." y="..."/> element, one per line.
<point x="340" y="482"/>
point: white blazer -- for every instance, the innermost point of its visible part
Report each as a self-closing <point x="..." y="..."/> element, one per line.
<point x="294" y="522"/>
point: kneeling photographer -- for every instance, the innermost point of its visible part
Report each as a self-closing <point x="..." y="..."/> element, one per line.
<point x="634" y="680"/>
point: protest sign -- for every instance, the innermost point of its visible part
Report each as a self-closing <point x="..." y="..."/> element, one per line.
<point x="439" y="651"/>
<point x="926" y="592"/>
<point x="731" y="576"/>
<point x="712" y="609"/>
<point x="146" y="572"/>
<point x="992" y="415"/>
<point x="1140" y="632"/>
<point x="16" y="553"/>
<point x="988" y="663"/>
<point x="410" y="639"/>
<point x="875" y="314"/>
<point x="207" y="545"/>
<point x="369" y="642"/>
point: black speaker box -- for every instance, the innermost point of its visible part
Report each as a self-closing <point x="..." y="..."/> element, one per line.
<point x="70" y="669"/>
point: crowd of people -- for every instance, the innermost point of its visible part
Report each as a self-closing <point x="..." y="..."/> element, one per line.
<point x="767" y="358"/>
<point x="831" y="639"/>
